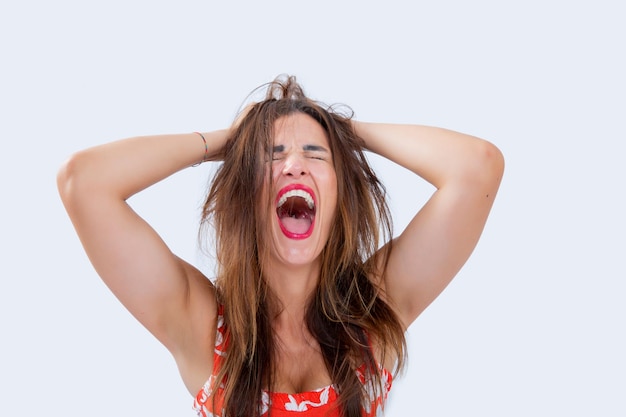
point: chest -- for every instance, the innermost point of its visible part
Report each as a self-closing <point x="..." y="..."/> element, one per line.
<point x="300" y="367"/>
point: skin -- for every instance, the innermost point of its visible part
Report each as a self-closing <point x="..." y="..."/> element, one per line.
<point x="177" y="304"/>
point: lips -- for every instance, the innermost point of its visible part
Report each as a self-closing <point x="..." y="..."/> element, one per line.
<point x="295" y="209"/>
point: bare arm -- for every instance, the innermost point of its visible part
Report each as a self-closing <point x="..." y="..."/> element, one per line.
<point x="169" y="297"/>
<point x="466" y="172"/>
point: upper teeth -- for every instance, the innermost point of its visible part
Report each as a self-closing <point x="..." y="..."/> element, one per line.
<point x="297" y="193"/>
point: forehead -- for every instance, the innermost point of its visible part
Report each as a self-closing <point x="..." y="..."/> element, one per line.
<point x="299" y="128"/>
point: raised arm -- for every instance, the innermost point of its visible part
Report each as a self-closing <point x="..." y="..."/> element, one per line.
<point x="168" y="296"/>
<point x="466" y="172"/>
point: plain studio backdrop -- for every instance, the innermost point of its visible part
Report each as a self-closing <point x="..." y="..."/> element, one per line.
<point x="533" y="325"/>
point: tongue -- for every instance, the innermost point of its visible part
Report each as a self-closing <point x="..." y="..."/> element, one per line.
<point x="296" y="226"/>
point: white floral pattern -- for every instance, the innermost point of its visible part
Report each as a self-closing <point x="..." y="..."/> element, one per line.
<point x="303" y="405"/>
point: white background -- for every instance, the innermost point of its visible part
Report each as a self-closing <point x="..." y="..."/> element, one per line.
<point x="534" y="325"/>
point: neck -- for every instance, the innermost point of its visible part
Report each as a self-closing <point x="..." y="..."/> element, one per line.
<point x="292" y="285"/>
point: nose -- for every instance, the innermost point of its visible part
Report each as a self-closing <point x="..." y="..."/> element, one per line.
<point x="295" y="166"/>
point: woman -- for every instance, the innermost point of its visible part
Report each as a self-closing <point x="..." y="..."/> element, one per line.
<point x="312" y="299"/>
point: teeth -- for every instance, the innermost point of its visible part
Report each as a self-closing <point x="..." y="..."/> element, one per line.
<point x="297" y="193"/>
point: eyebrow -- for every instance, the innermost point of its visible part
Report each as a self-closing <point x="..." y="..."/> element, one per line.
<point x="314" y="148"/>
<point x="306" y="148"/>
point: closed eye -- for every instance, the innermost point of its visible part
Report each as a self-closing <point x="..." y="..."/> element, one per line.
<point x="316" y="152"/>
<point x="277" y="152"/>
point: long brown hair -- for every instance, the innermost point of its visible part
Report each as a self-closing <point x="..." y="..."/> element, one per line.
<point x="346" y="310"/>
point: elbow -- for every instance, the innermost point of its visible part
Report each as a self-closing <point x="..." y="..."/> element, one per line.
<point x="484" y="168"/>
<point x="493" y="161"/>
<point x="69" y="178"/>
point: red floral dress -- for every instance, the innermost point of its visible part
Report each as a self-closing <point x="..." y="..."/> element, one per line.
<point x="315" y="403"/>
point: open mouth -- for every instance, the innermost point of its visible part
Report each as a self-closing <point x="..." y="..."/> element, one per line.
<point x="295" y="208"/>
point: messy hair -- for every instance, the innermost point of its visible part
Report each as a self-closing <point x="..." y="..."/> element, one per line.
<point x="347" y="310"/>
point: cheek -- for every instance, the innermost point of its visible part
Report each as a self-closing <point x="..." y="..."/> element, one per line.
<point x="275" y="169"/>
<point x="331" y="193"/>
<point x="332" y="183"/>
<point x="265" y="203"/>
